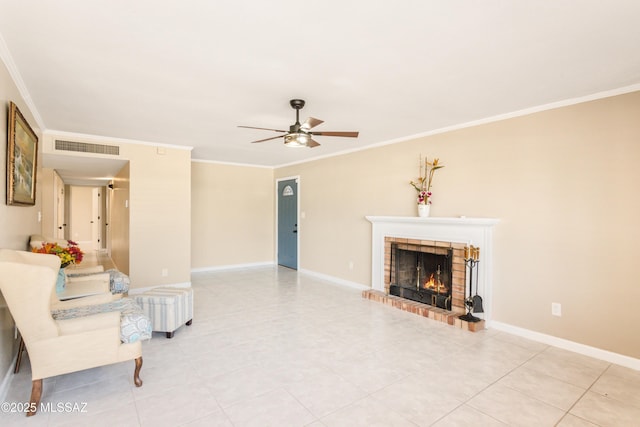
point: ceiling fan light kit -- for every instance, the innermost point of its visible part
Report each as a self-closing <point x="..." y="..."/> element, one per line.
<point x="300" y="135"/>
<point x="296" y="139"/>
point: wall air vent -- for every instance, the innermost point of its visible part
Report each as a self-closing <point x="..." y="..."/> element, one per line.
<point x="83" y="147"/>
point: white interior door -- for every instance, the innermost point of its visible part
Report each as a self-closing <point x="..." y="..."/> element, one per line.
<point x="81" y="216"/>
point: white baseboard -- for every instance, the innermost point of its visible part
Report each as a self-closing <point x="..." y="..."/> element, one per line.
<point x="335" y="280"/>
<point x="232" y="267"/>
<point x="138" y="291"/>
<point x="608" y="356"/>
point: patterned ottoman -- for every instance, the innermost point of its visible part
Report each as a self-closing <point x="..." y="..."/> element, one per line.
<point x="168" y="308"/>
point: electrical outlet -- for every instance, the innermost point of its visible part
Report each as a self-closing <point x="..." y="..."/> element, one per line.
<point x="165" y="272"/>
<point x="556" y="309"/>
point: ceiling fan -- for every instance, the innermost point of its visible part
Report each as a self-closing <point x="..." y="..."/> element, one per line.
<point x="300" y="135"/>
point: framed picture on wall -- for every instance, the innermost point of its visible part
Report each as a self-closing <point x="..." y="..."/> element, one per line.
<point x="22" y="153"/>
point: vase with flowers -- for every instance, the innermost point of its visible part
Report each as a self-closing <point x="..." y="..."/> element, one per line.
<point x="423" y="184"/>
<point x="71" y="254"/>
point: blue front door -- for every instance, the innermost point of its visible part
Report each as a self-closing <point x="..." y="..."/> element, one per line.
<point x="288" y="223"/>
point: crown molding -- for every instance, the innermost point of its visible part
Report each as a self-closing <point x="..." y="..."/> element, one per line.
<point x="247" y="165"/>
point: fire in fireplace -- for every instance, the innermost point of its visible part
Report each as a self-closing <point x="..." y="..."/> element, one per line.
<point x="422" y="274"/>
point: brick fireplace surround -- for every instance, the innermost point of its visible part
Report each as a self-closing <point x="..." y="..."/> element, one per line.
<point x="431" y="235"/>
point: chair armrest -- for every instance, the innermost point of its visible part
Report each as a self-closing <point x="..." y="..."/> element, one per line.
<point x="89" y="323"/>
<point x="79" y="302"/>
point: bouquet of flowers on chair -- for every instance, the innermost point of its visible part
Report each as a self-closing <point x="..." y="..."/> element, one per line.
<point x="71" y="254"/>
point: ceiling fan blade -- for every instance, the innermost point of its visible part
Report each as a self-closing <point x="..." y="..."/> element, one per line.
<point x="311" y="122"/>
<point x="267" y="139"/>
<point x="312" y="143"/>
<point x="346" y="134"/>
<point x="252" y="127"/>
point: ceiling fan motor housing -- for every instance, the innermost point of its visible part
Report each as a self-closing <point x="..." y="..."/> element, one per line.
<point x="297" y="103"/>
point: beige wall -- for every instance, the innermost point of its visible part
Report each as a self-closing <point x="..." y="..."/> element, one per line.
<point x="47" y="178"/>
<point x="232" y="215"/>
<point x="17" y="222"/>
<point x="159" y="215"/>
<point x="563" y="182"/>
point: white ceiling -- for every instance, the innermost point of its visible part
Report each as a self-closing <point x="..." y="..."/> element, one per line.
<point x="188" y="73"/>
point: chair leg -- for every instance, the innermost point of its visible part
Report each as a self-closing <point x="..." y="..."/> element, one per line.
<point x="189" y="322"/>
<point x="21" y="349"/>
<point x="169" y="334"/>
<point x="36" y="394"/>
<point x="136" y="374"/>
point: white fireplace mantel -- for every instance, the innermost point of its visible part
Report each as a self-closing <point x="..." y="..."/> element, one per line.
<point x="470" y="231"/>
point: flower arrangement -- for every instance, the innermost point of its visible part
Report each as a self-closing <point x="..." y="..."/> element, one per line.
<point x="69" y="255"/>
<point x="423" y="184"/>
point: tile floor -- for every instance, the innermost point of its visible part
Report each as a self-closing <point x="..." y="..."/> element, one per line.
<point x="272" y="347"/>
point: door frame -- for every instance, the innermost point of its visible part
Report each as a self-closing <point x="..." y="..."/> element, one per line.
<point x="59" y="225"/>
<point x="96" y="217"/>
<point x="277" y="193"/>
<point x="108" y="196"/>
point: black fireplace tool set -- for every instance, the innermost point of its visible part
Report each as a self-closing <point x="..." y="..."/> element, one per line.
<point x="472" y="302"/>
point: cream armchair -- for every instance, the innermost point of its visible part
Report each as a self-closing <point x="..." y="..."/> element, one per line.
<point x="56" y="347"/>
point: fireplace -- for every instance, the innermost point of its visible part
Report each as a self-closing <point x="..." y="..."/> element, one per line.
<point x="435" y="243"/>
<point x="426" y="271"/>
<point x="422" y="273"/>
